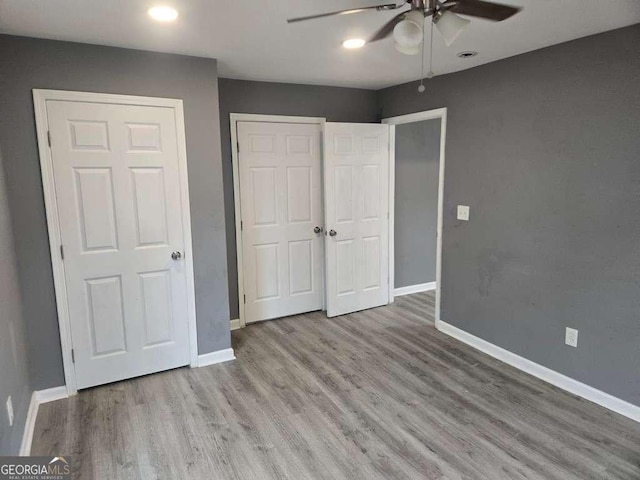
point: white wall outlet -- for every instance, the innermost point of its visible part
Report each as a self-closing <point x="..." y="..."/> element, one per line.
<point x="10" y="411"/>
<point x="571" y="337"/>
<point x="463" y="213"/>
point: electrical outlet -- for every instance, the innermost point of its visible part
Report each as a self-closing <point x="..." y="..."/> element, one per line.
<point x="571" y="337"/>
<point x="10" y="411"/>
<point x="463" y="213"/>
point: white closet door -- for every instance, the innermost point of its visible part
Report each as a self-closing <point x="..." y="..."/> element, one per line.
<point x="356" y="209"/>
<point x="119" y="204"/>
<point x="281" y="205"/>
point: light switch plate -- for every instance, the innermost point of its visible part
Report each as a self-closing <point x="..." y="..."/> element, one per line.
<point x="571" y="337"/>
<point x="10" y="411"/>
<point x="463" y="213"/>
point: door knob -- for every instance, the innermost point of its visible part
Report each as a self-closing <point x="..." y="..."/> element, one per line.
<point x="332" y="233"/>
<point x="176" y="255"/>
<point x="317" y="229"/>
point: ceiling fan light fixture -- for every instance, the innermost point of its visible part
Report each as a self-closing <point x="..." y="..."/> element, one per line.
<point x="408" y="32"/>
<point x="450" y="25"/>
<point x="354" y="43"/>
<point x="408" y="49"/>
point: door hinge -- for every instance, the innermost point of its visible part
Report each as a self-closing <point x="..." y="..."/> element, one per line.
<point x="49" y="138"/>
<point x="73" y="355"/>
<point x="241" y="225"/>
<point x="238" y="146"/>
<point x="62" y="252"/>
<point x="245" y="298"/>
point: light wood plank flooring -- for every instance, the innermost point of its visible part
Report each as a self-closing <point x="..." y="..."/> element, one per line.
<point x="376" y="394"/>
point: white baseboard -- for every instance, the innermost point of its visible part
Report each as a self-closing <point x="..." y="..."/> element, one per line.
<point x="554" y="378"/>
<point x="37" y="398"/>
<point x="51" y="394"/>
<point x="29" y="426"/>
<point x="421" y="287"/>
<point x="216" y="357"/>
<point x="235" y="324"/>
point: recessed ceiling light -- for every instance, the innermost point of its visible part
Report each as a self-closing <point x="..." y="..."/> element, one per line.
<point x="163" y="13"/>
<point x="353" y="43"/>
<point x="467" y="54"/>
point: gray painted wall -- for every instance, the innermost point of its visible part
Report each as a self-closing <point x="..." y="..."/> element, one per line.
<point x="28" y="63"/>
<point x="240" y="96"/>
<point x="545" y="148"/>
<point x="13" y="353"/>
<point x="417" y="152"/>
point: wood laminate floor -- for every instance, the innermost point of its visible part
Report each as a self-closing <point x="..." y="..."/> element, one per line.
<point x="375" y="394"/>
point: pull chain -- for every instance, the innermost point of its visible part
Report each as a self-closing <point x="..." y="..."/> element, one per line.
<point x="430" y="72"/>
<point x="421" y="87"/>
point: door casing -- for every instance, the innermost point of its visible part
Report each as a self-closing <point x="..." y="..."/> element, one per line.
<point x="40" y="97"/>
<point x="440" y="113"/>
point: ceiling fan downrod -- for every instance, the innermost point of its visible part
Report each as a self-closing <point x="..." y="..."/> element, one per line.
<point x="429" y="7"/>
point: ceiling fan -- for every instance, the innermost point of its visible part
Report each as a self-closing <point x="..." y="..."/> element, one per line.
<point x="407" y="26"/>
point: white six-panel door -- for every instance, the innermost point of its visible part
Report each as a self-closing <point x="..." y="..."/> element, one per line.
<point x="281" y="205"/>
<point x="120" y="214"/>
<point x="356" y="209"/>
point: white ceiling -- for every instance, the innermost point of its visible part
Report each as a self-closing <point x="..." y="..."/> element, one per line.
<point x="252" y="40"/>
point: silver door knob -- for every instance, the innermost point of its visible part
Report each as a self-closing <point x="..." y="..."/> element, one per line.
<point x="317" y="229"/>
<point x="176" y="255"/>
<point x="332" y="233"/>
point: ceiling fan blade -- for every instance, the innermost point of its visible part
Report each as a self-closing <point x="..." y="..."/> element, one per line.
<point x="388" y="6"/>
<point x="387" y="28"/>
<point x="488" y="10"/>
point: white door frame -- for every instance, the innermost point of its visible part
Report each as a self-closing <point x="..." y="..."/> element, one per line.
<point x="411" y="118"/>
<point x="234" y="118"/>
<point x="40" y="98"/>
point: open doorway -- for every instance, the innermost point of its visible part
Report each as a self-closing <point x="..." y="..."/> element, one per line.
<point x="417" y="142"/>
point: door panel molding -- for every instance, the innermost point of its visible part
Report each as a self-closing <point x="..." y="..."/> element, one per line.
<point x="95" y="139"/>
<point x="293" y="146"/>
